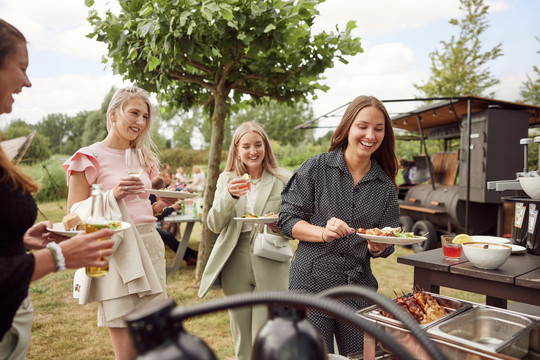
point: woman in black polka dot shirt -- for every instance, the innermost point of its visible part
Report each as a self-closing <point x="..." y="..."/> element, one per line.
<point x="332" y="194"/>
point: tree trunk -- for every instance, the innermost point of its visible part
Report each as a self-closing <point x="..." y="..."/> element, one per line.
<point x="214" y="158"/>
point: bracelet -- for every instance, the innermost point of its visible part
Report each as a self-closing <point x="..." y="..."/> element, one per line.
<point x="58" y="256"/>
<point x="322" y="236"/>
<point x="154" y="210"/>
<point x="379" y="253"/>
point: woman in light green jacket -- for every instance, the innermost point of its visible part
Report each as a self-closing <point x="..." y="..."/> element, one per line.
<point x="232" y="262"/>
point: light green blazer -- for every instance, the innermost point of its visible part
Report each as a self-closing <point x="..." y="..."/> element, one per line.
<point x="220" y="221"/>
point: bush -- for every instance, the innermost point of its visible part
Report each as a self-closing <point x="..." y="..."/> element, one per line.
<point x="51" y="177"/>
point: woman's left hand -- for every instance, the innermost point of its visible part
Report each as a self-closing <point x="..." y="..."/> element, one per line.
<point x="274" y="228"/>
<point x="375" y="248"/>
<point x="38" y="236"/>
<point x="130" y="185"/>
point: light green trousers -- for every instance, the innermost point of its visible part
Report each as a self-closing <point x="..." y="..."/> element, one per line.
<point x="15" y="342"/>
<point x="239" y="276"/>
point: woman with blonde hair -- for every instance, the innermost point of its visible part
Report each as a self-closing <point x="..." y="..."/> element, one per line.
<point x="137" y="272"/>
<point x="232" y="261"/>
<point x="18" y="233"/>
<point x="332" y="194"/>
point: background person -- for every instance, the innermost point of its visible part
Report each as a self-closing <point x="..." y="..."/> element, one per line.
<point x="181" y="178"/>
<point x="232" y="260"/>
<point x="328" y="197"/>
<point x="167" y="236"/>
<point x="198" y="180"/>
<point x="129" y="119"/>
<point x="18" y="212"/>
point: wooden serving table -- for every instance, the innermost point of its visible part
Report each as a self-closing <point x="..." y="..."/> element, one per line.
<point x="182" y="246"/>
<point x="518" y="279"/>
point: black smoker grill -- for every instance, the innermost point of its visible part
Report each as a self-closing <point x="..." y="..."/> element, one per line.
<point x="490" y="150"/>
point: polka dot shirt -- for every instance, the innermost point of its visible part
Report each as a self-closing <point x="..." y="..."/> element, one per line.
<point x="322" y="188"/>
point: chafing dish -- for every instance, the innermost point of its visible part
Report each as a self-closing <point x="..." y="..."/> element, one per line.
<point x="488" y="329"/>
<point x="452" y="306"/>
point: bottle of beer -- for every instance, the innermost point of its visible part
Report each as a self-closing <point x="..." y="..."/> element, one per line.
<point x="195" y="216"/>
<point x="95" y="222"/>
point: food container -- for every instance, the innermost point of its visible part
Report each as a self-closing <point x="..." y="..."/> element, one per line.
<point x="531" y="186"/>
<point x="486" y="255"/>
<point x="488" y="329"/>
<point x="452" y="307"/>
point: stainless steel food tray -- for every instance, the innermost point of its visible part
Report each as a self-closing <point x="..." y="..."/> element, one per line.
<point x="452" y="306"/>
<point x="489" y="329"/>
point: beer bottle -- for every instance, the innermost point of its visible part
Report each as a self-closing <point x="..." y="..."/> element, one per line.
<point x="195" y="216"/>
<point x="95" y="222"/>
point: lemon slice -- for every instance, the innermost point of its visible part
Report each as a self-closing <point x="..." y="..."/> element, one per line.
<point x="462" y="238"/>
<point x="246" y="176"/>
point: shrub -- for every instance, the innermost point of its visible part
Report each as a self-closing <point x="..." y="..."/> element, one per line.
<point x="51" y="178"/>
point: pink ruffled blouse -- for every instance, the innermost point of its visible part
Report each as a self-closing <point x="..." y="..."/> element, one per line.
<point x="105" y="165"/>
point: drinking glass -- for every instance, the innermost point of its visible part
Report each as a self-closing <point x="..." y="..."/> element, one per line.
<point x="134" y="167"/>
<point x="451" y="251"/>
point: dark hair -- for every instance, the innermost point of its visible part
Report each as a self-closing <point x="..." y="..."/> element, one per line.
<point x="9" y="36"/>
<point x="158" y="182"/>
<point x="386" y="153"/>
<point x="10" y="174"/>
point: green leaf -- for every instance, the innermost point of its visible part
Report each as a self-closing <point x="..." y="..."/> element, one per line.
<point x="147" y="10"/>
<point x="269" y="28"/>
<point x="153" y="64"/>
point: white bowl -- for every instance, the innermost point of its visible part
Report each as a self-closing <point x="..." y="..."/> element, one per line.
<point x="531" y="186"/>
<point x="487" y="256"/>
<point x="490" y="239"/>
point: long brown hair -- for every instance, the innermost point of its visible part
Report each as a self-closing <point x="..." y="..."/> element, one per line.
<point x="236" y="166"/>
<point x="9" y="39"/>
<point x="11" y="174"/>
<point x="386" y="153"/>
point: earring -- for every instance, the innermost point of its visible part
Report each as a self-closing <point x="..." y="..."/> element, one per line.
<point x="114" y="124"/>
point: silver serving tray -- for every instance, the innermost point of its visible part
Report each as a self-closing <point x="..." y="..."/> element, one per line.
<point x="452" y="306"/>
<point x="489" y="329"/>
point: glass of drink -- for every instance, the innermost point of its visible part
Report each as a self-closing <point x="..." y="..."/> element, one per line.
<point x="95" y="222"/>
<point x="133" y="161"/>
<point x="92" y="271"/>
<point x="451" y="251"/>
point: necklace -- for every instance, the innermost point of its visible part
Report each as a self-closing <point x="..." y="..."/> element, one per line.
<point x="255" y="181"/>
<point x="363" y="172"/>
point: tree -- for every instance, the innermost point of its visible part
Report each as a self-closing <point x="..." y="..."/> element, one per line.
<point x="74" y="132"/>
<point x="279" y="120"/>
<point x="459" y="69"/>
<point x="54" y="127"/>
<point x="221" y="54"/>
<point x="530" y="92"/>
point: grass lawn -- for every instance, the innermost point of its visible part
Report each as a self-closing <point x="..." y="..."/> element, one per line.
<point x="63" y="329"/>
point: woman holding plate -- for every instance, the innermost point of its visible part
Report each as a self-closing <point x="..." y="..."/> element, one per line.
<point x="18" y="231"/>
<point x="137" y="272"/>
<point x="232" y="260"/>
<point x="331" y="195"/>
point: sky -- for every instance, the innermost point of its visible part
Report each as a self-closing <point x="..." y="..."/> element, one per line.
<point x="397" y="36"/>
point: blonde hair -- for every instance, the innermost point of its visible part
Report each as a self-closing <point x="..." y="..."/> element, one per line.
<point x="144" y="141"/>
<point x="269" y="163"/>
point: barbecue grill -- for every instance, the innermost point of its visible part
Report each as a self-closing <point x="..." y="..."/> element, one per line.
<point x="489" y="132"/>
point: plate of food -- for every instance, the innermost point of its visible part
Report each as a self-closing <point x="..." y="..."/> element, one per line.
<point x="392" y="236"/>
<point x="256" y="219"/>
<point x="72" y="225"/>
<point x="175" y="194"/>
